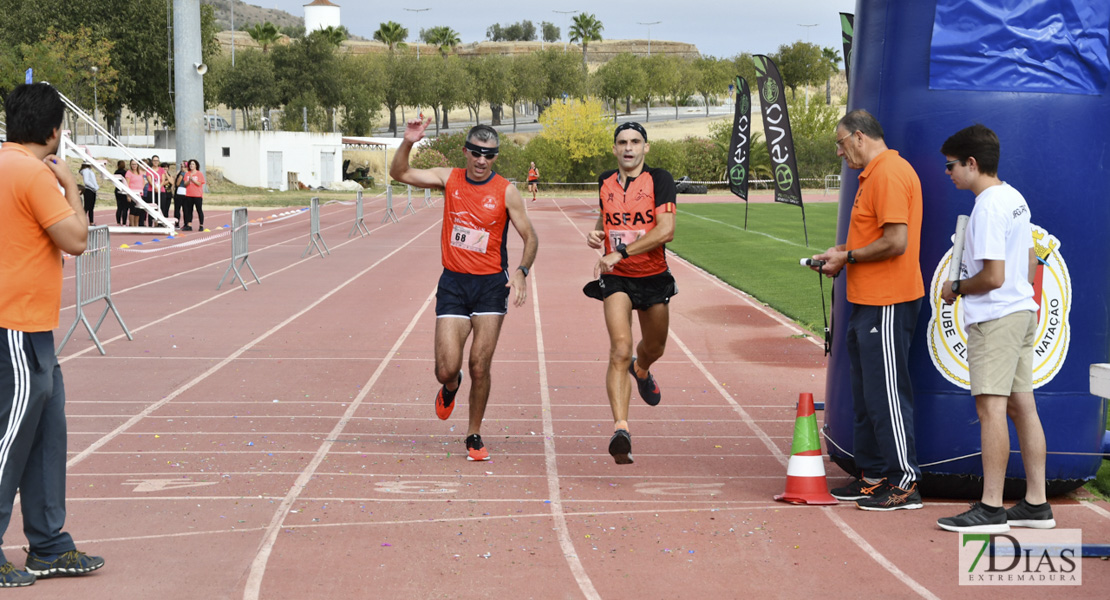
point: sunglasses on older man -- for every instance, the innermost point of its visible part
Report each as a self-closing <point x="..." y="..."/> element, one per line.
<point x="477" y="154"/>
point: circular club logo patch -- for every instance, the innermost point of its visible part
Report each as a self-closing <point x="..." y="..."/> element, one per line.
<point x="770" y="91"/>
<point x="1052" y="286"/>
<point x="737" y="174"/>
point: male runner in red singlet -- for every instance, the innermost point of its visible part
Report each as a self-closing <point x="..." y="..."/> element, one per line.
<point x="474" y="289"/>
<point x="533" y="180"/>
<point x="637" y="219"/>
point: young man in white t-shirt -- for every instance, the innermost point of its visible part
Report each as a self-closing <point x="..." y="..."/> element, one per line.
<point x="1000" y="316"/>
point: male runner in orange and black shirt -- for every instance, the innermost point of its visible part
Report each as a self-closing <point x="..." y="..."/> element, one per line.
<point x="475" y="285"/>
<point x="637" y="220"/>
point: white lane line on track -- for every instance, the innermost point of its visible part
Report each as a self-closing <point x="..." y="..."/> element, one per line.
<point x="221" y="262"/>
<point x="553" y="493"/>
<point x="870" y="550"/>
<point x="258" y="565"/>
<point x="199" y="378"/>
<point x="230" y="290"/>
<point x="1102" y="512"/>
<point x="744" y="416"/>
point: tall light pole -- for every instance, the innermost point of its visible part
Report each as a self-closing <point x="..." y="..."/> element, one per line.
<point x="649" y="32"/>
<point x="567" y="13"/>
<point x="808" y="27"/>
<point x="418" y="10"/>
<point x="96" y="132"/>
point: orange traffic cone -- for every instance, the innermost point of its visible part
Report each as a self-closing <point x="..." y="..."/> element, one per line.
<point x="805" y="473"/>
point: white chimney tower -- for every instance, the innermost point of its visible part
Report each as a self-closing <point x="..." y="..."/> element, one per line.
<point x="320" y="14"/>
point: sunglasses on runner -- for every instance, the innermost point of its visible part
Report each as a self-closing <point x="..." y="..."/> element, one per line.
<point x="477" y="154"/>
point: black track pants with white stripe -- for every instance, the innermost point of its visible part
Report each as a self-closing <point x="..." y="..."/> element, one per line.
<point x="33" y="439"/>
<point x="882" y="396"/>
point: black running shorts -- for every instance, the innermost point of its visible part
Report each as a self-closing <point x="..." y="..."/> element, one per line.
<point x="644" y="292"/>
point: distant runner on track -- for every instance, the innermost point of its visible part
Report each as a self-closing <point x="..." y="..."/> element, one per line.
<point x="533" y="180"/>
<point x="474" y="288"/>
<point x="637" y="219"/>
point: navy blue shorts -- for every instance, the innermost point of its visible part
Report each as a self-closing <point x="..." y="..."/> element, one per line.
<point x="463" y="296"/>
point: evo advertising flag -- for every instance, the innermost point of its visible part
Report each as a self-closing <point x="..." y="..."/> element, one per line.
<point x="776" y="128"/>
<point x="847" y="29"/>
<point x="738" y="158"/>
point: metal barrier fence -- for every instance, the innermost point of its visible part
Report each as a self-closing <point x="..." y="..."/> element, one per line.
<point x="390" y="215"/>
<point x="408" y="205"/>
<point x="360" y="225"/>
<point x="240" y="250"/>
<point x="428" y="198"/>
<point x="94" y="283"/>
<point x="315" y="240"/>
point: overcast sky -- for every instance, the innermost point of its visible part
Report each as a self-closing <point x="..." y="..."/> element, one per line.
<point x="721" y="28"/>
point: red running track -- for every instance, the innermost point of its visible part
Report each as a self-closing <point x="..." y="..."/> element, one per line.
<point x="281" y="442"/>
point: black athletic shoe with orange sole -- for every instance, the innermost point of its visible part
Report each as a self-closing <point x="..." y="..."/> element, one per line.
<point x="445" y="400"/>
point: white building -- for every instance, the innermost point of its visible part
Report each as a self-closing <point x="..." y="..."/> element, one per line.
<point x="320" y="14"/>
<point x="274" y="159"/>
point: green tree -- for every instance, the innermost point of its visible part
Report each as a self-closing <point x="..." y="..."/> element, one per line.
<point x="248" y="85"/>
<point x="66" y="60"/>
<point x="308" y="64"/>
<point x="550" y="33"/>
<point x="814" y="130"/>
<point x="619" y="79"/>
<point x="524" y="31"/>
<point x="491" y="77"/>
<point x="679" y="79"/>
<point x="399" y="84"/>
<point x="714" y="76"/>
<point x="362" y="78"/>
<point x="659" y="73"/>
<point x="559" y="74"/>
<point x="525" y="85"/>
<point x="392" y="34"/>
<point x="801" y="63"/>
<point x="586" y="29"/>
<point x="334" y="35"/>
<point x="264" y="34"/>
<point x="743" y="65"/>
<point x="294" y="32"/>
<point x="833" y="58"/>
<point x="443" y="85"/>
<point x="442" y="37"/>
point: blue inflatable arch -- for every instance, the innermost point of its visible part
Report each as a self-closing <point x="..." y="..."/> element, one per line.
<point x="1037" y="74"/>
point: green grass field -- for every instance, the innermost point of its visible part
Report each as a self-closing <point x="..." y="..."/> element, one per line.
<point x="762" y="260"/>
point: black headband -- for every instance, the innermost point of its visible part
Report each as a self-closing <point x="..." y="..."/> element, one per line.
<point x="486" y="152"/>
<point x="630" y="125"/>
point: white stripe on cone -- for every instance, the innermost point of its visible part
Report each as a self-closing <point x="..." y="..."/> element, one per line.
<point x="805" y="466"/>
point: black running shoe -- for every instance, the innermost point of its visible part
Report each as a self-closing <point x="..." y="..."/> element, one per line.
<point x="857" y="490"/>
<point x="892" y="497"/>
<point x="475" y="449"/>
<point x="1024" y="514"/>
<point x="66" y="564"/>
<point x="620" y="447"/>
<point x="649" y="390"/>
<point x="980" y="519"/>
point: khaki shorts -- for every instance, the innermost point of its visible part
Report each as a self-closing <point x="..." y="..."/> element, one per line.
<point x="1000" y="354"/>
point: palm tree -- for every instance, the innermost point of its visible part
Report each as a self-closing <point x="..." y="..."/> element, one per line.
<point x="586" y="29"/>
<point x="264" y="34"/>
<point x="334" y="35"/>
<point x="444" y="38"/>
<point x="391" y="34"/>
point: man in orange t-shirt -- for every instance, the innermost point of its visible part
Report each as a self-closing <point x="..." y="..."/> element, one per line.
<point x="475" y="285"/>
<point x="37" y="223"/>
<point x="885" y="288"/>
<point x="636" y="220"/>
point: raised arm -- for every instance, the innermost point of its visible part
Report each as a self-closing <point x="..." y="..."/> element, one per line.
<point x="399" y="169"/>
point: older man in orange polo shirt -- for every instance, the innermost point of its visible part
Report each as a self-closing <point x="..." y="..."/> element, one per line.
<point x="885" y="289"/>
<point x="41" y="216"/>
